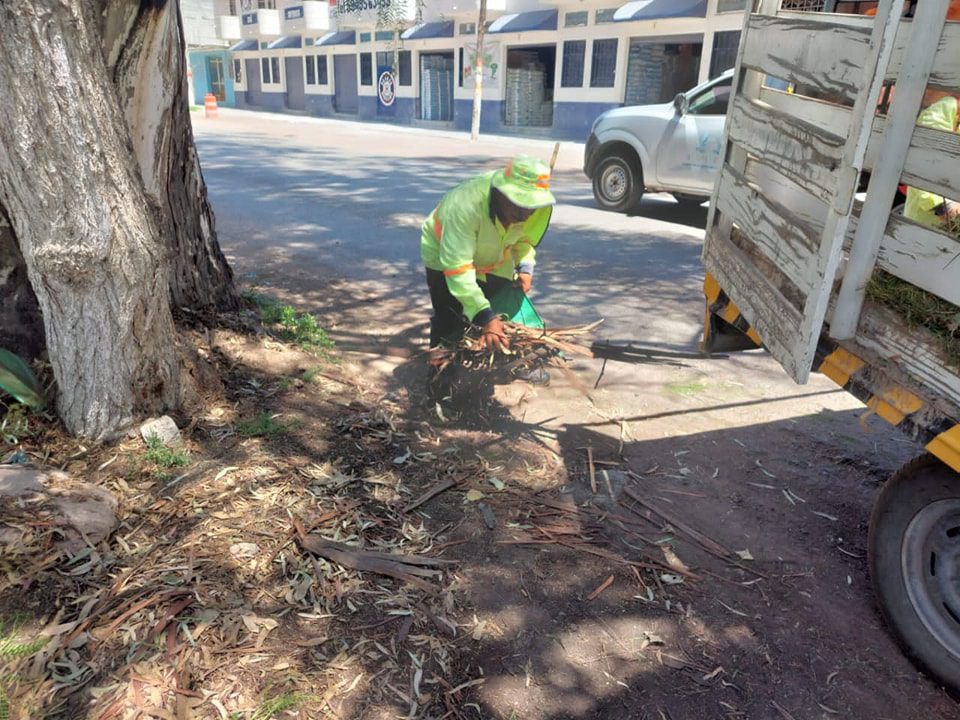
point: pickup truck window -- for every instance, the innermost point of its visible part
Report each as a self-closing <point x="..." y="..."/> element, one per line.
<point x="711" y="102"/>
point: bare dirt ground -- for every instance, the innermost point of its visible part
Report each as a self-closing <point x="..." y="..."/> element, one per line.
<point x="717" y="570"/>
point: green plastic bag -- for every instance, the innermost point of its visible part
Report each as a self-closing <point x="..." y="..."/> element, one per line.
<point x="516" y="306"/>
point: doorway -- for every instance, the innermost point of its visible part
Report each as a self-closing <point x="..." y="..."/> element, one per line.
<point x="218" y="85"/>
<point x="436" y="86"/>
<point x="346" y="96"/>
<point x="531" y="72"/>
<point x="296" y="92"/>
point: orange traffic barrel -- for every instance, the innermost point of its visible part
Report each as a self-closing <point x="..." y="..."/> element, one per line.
<point x="210" y="105"/>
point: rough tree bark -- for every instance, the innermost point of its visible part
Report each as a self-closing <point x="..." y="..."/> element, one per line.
<point x="101" y="188"/>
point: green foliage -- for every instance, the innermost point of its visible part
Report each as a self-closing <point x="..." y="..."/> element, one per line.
<point x="163" y="456"/>
<point x="270" y="708"/>
<point x="18" y="380"/>
<point x="310" y="375"/>
<point x="296" y="327"/>
<point x="264" y="425"/>
<point x="12" y="648"/>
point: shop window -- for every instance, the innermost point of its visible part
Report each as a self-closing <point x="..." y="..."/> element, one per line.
<point x="311" y="65"/>
<point x="365" y="37"/>
<point x="576" y="19"/>
<point x="731" y="5"/>
<point x="322" y="70"/>
<point x="604" y="16"/>
<point x="405" y="69"/>
<point x="574" y="52"/>
<point x="275" y="68"/>
<point x="265" y="71"/>
<point x="384" y="59"/>
<point x="366" y="69"/>
<point x="238" y="71"/>
<point x="468" y="28"/>
<point x="383" y="35"/>
<point x="460" y="64"/>
<point x="603" y="65"/>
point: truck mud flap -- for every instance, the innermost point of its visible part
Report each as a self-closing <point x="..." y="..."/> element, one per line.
<point x="724" y="328"/>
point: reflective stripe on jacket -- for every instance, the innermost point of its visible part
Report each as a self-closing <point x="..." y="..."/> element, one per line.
<point x="461" y="239"/>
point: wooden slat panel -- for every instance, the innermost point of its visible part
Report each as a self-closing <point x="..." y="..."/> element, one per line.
<point x="946" y="70"/>
<point x="921" y="256"/>
<point x="780" y="235"/>
<point x="810" y="51"/>
<point x="827" y="116"/>
<point x="800" y="151"/>
<point x="784" y="191"/>
<point x="761" y="303"/>
<point x="933" y="160"/>
<point x="914" y="351"/>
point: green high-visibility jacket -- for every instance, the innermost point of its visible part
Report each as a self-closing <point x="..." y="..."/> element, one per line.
<point x="462" y="239"/>
<point x="921" y="204"/>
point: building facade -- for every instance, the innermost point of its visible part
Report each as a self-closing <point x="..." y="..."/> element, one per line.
<point x="550" y="66"/>
<point x="208" y="53"/>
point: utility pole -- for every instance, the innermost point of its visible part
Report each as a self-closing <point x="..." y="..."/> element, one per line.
<point x="478" y="72"/>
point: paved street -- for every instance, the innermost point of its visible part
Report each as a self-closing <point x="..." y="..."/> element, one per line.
<point x="327" y="214"/>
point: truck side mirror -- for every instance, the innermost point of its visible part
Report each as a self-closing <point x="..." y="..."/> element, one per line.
<point x="680" y="103"/>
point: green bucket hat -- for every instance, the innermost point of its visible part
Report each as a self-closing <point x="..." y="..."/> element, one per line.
<point x="526" y="182"/>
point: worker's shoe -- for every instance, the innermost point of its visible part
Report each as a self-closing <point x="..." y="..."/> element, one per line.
<point x="535" y="375"/>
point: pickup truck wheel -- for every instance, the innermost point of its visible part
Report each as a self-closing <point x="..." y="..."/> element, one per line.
<point x="914" y="551"/>
<point x="617" y="184"/>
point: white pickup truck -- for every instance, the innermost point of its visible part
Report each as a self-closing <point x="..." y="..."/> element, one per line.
<point x="791" y="251"/>
<point x="673" y="147"/>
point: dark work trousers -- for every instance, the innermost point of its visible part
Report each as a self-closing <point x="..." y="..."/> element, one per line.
<point x="448" y="323"/>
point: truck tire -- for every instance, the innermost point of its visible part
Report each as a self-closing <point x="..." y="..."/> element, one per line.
<point x="914" y="552"/>
<point x="617" y="184"/>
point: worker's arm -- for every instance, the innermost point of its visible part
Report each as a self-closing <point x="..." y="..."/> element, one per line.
<point x="457" y="250"/>
<point x="924" y="206"/>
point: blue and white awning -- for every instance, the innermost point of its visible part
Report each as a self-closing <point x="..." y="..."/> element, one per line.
<point x="286" y="42"/>
<point x="426" y="31"/>
<point x="525" y="22"/>
<point x="342" y="37"/>
<point x="659" y="9"/>
<point x="244" y="45"/>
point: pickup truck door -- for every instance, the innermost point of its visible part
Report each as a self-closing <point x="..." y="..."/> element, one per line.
<point x="688" y="157"/>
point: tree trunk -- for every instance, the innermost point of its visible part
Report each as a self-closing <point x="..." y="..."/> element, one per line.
<point x="478" y="72"/>
<point x="146" y="56"/>
<point x="90" y="234"/>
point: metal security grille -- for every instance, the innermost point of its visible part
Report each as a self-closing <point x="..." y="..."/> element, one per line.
<point x="574" y="53"/>
<point x="803" y="5"/>
<point x="603" y="65"/>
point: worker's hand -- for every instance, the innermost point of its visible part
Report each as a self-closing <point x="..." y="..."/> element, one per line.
<point x="493" y="336"/>
<point x="951" y="209"/>
<point x="524" y="281"/>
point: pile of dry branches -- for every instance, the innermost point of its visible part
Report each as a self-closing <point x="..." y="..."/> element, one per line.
<point x="528" y="347"/>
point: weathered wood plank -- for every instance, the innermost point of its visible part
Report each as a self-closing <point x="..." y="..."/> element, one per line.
<point x="780" y="235"/>
<point x="784" y="191"/>
<point x="809" y="51"/>
<point x="921" y="256"/>
<point x="933" y="158"/>
<point x="802" y="152"/>
<point x="827" y="116"/>
<point x="914" y="351"/>
<point x="771" y="314"/>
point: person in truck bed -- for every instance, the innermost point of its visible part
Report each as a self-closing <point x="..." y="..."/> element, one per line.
<point x="942" y="113"/>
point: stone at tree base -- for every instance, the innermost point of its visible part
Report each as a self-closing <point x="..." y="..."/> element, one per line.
<point x="76" y="507"/>
<point x="163" y="428"/>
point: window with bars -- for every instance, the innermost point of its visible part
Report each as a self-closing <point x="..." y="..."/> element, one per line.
<point x="322" y="70"/>
<point x="238" y="71"/>
<point x="603" y="65"/>
<point x="366" y="69"/>
<point x="310" y="62"/>
<point x="803" y="5"/>
<point x="265" y="71"/>
<point x="405" y="69"/>
<point x="576" y="19"/>
<point x="604" y="16"/>
<point x="275" y="67"/>
<point x="574" y="54"/>
<point x="724" y="55"/>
